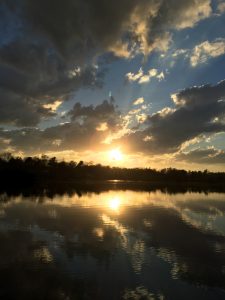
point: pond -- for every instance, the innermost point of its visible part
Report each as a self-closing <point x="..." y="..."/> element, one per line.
<point x="114" y="244"/>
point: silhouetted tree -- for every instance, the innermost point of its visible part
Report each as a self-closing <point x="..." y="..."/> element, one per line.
<point x="46" y="169"/>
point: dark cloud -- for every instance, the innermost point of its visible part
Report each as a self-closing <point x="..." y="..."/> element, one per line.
<point x="203" y="156"/>
<point x="88" y="128"/>
<point x="46" y="42"/>
<point x="21" y="110"/>
<point x="102" y="25"/>
<point x="106" y="112"/>
<point x="23" y="96"/>
<point x="198" y="110"/>
<point x="79" y="25"/>
<point x="31" y="70"/>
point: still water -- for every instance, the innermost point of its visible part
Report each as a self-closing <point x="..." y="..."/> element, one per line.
<point x="116" y="244"/>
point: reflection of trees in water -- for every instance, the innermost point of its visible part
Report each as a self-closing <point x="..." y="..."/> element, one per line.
<point x="195" y="254"/>
<point x="47" y="175"/>
<point x="50" y="190"/>
<point x="27" y="272"/>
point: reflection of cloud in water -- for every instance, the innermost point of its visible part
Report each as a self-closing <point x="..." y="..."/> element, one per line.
<point x="171" y="257"/>
<point x="116" y="198"/>
<point x="141" y="293"/>
<point x="204" y="220"/>
<point x="137" y="253"/>
<point x="99" y="232"/>
<point x="115" y="224"/>
<point x="176" y="230"/>
<point x="131" y="244"/>
<point x="205" y="212"/>
<point x="43" y="254"/>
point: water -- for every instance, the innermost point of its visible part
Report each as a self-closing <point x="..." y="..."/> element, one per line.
<point x="116" y="244"/>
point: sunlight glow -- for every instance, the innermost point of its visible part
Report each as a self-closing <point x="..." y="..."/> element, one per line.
<point x="115" y="154"/>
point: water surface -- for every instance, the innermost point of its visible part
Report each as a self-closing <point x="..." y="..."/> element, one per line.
<point x="116" y="244"/>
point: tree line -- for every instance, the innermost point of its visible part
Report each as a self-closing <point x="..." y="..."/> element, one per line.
<point x="48" y="169"/>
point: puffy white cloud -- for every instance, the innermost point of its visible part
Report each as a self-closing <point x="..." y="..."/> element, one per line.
<point x="179" y="52"/>
<point x="53" y="106"/>
<point x="206" y="50"/>
<point x="202" y="52"/>
<point x="142" y="77"/>
<point x="161" y="76"/>
<point x="153" y="72"/>
<point x="134" y="77"/>
<point x="138" y="101"/>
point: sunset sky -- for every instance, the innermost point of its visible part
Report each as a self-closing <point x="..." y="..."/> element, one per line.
<point x="135" y="83"/>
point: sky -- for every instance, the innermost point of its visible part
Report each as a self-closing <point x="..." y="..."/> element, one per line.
<point x="130" y="83"/>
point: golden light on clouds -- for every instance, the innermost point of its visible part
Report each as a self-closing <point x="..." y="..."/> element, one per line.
<point x="53" y="106"/>
<point x="138" y="101"/>
<point x="102" y="127"/>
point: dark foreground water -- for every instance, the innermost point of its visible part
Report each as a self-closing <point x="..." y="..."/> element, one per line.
<point x="113" y="245"/>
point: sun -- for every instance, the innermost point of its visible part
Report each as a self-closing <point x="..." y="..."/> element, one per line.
<point x="116" y="154"/>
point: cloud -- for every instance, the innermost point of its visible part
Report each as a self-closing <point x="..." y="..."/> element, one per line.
<point x="141" y="77"/>
<point x="161" y="76"/>
<point x="203" y="156"/>
<point x="49" y="49"/>
<point x="183" y="16"/>
<point x="88" y="127"/>
<point x="102" y="126"/>
<point x="134" y="77"/>
<point x="206" y="50"/>
<point x="197" y="110"/>
<point x="53" y="106"/>
<point x="106" y="112"/>
<point x="27" y="97"/>
<point x="138" y="101"/>
<point x="221" y="7"/>
<point x="102" y="26"/>
<point x="20" y="110"/>
<point x="176" y="15"/>
<point x="202" y="52"/>
<point x="179" y="52"/>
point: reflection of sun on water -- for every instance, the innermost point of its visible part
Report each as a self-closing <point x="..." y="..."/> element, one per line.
<point x="114" y="204"/>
